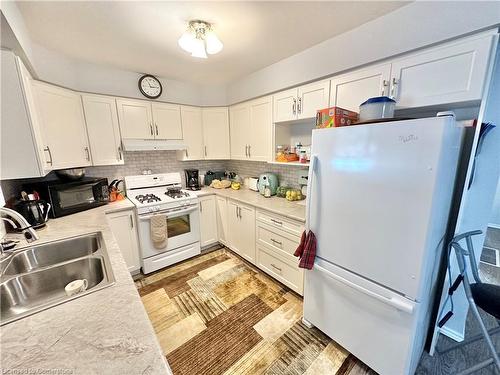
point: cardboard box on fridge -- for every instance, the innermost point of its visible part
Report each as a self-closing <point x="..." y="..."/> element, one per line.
<point x="334" y="117"/>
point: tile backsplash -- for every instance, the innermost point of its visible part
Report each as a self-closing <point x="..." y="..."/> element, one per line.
<point x="166" y="161"/>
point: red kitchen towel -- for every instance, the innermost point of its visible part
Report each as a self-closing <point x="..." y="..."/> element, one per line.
<point x="308" y="252"/>
<point x="302" y="244"/>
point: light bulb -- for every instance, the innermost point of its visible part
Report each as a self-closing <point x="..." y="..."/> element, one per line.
<point x="186" y="41"/>
<point x="199" y="49"/>
<point x="214" y="45"/>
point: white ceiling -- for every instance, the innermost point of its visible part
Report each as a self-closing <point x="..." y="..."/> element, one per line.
<point x="142" y="36"/>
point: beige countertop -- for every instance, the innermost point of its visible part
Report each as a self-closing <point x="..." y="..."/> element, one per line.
<point x="105" y="332"/>
<point x="279" y="206"/>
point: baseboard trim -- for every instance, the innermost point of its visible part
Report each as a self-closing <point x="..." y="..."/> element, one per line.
<point x="452" y="334"/>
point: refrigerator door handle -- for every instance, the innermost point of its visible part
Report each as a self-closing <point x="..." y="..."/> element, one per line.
<point x="310" y="180"/>
<point x="397" y="303"/>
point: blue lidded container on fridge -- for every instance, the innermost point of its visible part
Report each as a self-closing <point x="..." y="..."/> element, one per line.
<point x="377" y="108"/>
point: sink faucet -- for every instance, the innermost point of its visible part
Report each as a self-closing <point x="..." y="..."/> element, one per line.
<point x="28" y="231"/>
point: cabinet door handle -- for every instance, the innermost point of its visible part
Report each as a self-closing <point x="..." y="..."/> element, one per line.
<point x="236" y="210"/>
<point x="299" y="106"/>
<point x="120" y="152"/>
<point x="205" y="150"/>
<point x="395" y="83"/>
<point x="187" y="154"/>
<point x="156" y="126"/>
<point x="87" y="152"/>
<point x="131" y="222"/>
<point x="385" y="84"/>
<point x="246" y="150"/>
<point x="151" y="128"/>
<point x="274" y="266"/>
<point x="47" y="148"/>
<point x="201" y="207"/>
<point x="249" y="148"/>
<point x="294" y="106"/>
<point x="277" y="222"/>
<point x="276" y="242"/>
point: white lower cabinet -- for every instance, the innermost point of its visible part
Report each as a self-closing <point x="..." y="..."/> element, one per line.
<point x="264" y="239"/>
<point x="221" y="219"/>
<point x="208" y="220"/>
<point x="241" y="229"/>
<point x="276" y="241"/>
<point x="123" y="225"/>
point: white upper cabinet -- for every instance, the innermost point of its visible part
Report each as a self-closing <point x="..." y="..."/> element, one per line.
<point x="60" y="114"/>
<point x="251" y="129"/>
<point x="239" y="120"/>
<point x="103" y="130"/>
<point x="285" y="105"/>
<point x="301" y="102"/>
<point x="167" y="121"/>
<point x="21" y="144"/>
<point x="141" y="119"/>
<point x="349" y="90"/>
<point x="192" y="129"/>
<point x="215" y="133"/>
<point x="312" y="97"/>
<point x="136" y="119"/>
<point x="447" y="74"/>
<point x="259" y="133"/>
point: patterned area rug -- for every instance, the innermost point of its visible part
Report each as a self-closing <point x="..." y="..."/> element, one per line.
<point x="217" y="314"/>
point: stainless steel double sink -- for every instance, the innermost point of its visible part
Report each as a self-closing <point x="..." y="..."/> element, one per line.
<point x="33" y="279"/>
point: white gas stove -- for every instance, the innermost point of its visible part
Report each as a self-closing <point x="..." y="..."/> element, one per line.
<point x="161" y="194"/>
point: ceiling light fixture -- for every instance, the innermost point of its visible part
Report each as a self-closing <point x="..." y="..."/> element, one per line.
<point x="200" y="39"/>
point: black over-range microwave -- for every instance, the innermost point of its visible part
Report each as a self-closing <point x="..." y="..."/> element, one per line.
<point x="69" y="197"/>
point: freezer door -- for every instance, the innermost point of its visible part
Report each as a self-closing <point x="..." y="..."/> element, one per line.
<point x="373" y="323"/>
<point x="373" y="204"/>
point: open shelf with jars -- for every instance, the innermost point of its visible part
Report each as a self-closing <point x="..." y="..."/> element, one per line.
<point x="292" y="141"/>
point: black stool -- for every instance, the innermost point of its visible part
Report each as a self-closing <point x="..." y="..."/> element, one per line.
<point x="486" y="296"/>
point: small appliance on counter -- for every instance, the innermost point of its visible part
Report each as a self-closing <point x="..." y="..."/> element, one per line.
<point x="69" y="197"/>
<point x="192" y="179"/>
<point x="252" y="183"/>
<point x="268" y="182"/>
<point x="210" y="176"/>
<point x="35" y="211"/>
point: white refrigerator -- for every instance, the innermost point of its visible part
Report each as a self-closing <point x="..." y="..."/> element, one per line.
<point x="379" y="200"/>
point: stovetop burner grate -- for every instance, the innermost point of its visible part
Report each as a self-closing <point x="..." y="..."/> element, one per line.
<point x="176" y="193"/>
<point x="147" y="198"/>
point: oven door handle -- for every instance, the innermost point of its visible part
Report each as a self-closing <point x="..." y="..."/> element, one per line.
<point x="170" y="212"/>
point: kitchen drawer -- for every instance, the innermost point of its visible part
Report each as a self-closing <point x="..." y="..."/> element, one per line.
<point x="291" y="276"/>
<point x="293" y="227"/>
<point x="279" y="241"/>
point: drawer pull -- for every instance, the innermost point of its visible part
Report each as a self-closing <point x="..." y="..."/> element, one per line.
<point x="277" y="222"/>
<point x="276" y="242"/>
<point x="276" y="267"/>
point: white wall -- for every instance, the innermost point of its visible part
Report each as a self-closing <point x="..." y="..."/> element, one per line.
<point x="17" y="27"/>
<point x="53" y="67"/>
<point x="413" y="26"/>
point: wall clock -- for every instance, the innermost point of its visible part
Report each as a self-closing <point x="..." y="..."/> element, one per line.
<point x="150" y="86"/>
